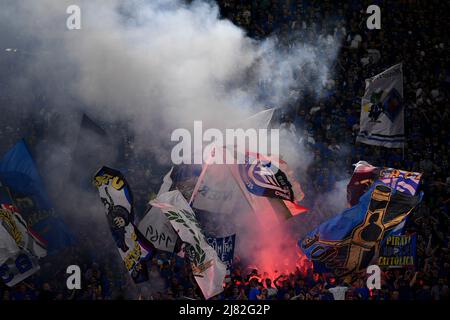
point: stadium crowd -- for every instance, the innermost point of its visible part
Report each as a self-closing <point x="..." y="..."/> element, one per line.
<point x="326" y="126"/>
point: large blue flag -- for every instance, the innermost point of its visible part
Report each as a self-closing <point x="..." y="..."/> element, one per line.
<point x="348" y="242"/>
<point x="19" y="173"/>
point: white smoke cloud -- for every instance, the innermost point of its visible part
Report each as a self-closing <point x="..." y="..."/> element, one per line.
<point x="159" y="64"/>
<point x="155" y="66"/>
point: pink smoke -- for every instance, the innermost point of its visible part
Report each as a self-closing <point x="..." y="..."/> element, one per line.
<point x="269" y="246"/>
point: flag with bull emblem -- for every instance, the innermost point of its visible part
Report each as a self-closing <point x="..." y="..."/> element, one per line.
<point x="382" y="112"/>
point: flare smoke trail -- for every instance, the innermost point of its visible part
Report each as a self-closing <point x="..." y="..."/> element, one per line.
<point x="151" y="66"/>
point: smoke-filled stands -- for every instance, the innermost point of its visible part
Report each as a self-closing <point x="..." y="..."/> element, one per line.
<point x="325" y="126"/>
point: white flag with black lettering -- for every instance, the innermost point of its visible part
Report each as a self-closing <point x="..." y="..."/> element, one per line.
<point x="155" y="226"/>
<point x="382" y="110"/>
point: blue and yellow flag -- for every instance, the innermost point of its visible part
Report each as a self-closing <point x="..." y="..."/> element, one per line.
<point x="398" y="251"/>
<point x="348" y="242"/>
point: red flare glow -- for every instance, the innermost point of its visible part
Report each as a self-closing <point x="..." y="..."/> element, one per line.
<point x="273" y="249"/>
